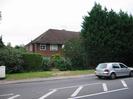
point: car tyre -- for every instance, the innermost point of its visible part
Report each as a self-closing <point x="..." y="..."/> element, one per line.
<point x="99" y="77"/>
<point x="113" y="76"/>
<point x="131" y="74"/>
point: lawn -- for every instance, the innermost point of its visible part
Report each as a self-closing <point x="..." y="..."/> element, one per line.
<point x="46" y="74"/>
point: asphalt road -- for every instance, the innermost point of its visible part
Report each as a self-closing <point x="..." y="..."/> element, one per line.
<point x="88" y="87"/>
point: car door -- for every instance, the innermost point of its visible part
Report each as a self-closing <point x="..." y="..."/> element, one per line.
<point x="124" y="70"/>
<point x="116" y="69"/>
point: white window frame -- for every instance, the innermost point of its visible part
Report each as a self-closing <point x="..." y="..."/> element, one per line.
<point x="43" y="47"/>
<point x="54" y="47"/>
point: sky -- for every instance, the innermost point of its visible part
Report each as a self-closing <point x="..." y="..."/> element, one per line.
<point x="24" y="20"/>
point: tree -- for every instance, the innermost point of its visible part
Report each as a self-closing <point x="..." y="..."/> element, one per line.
<point x="74" y="51"/>
<point x="20" y="48"/>
<point x="93" y="33"/>
<point x="1" y="42"/>
<point x="12" y="59"/>
<point x="107" y="36"/>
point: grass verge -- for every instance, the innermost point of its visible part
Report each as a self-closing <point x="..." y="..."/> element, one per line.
<point x="46" y="74"/>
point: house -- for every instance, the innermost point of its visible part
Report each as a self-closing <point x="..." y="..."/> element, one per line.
<point x="51" y="42"/>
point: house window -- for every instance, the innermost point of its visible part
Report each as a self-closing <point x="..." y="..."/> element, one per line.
<point x="42" y="47"/>
<point x="53" y="47"/>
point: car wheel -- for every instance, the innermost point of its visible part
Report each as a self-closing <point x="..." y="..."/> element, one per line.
<point x="131" y="74"/>
<point x="99" y="77"/>
<point x="113" y="76"/>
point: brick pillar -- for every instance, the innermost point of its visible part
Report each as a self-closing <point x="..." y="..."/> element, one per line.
<point x="35" y="47"/>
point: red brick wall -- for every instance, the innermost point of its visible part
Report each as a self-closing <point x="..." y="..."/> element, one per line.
<point x="47" y="52"/>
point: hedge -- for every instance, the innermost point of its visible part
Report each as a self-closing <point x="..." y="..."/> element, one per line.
<point x="12" y="59"/>
<point x="32" y="62"/>
<point x="61" y="63"/>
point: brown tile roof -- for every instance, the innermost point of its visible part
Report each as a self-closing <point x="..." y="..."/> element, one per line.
<point x="54" y="36"/>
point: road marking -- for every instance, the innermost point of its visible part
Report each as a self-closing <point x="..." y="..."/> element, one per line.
<point x="77" y="91"/>
<point x="48" y="94"/>
<point x="13" y="97"/>
<point x="124" y="83"/>
<point x="75" y="86"/>
<point x="95" y="94"/>
<point x="105" y="87"/>
<point x="6" y="95"/>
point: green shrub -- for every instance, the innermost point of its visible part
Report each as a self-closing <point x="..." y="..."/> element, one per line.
<point x="46" y="64"/>
<point x="60" y="62"/>
<point x="63" y="64"/>
<point x="32" y="62"/>
<point x="73" y="50"/>
<point x="12" y="59"/>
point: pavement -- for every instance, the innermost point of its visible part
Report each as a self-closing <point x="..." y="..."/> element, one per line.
<point x="4" y="81"/>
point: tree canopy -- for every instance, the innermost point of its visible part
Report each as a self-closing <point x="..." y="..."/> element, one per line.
<point x="107" y="36"/>
<point x="1" y="42"/>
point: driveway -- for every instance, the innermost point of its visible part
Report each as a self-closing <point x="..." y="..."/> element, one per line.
<point x="85" y="87"/>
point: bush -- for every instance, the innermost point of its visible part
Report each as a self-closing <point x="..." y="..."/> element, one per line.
<point x="73" y="50"/>
<point x="60" y="62"/>
<point x="12" y="59"/>
<point x="63" y="64"/>
<point x="46" y="64"/>
<point x="32" y="62"/>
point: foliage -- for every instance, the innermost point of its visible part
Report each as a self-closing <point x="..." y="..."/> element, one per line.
<point x="20" y="48"/>
<point x="60" y="63"/>
<point x="12" y="59"/>
<point x="1" y="42"/>
<point x="74" y="51"/>
<point x="107" y="36"/>
<point x="46" y="64"/>
<point x="32" y="61"/>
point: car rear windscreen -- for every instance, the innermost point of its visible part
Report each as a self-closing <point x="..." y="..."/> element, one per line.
<point x="102" y="66"/>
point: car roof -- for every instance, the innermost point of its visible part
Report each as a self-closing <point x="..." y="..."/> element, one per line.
<point x="111" y="63"/>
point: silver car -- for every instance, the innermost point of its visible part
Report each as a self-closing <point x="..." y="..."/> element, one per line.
<point x="113" y="70"/>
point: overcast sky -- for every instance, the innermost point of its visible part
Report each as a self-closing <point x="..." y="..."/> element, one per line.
<point x="24" y="20"/>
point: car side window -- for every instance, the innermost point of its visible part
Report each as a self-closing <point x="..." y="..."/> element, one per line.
<point x="122" y="66"/>
<point x="115" y="66"/>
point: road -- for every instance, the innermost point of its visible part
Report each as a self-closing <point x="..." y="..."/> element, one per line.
<point x="88" y="87"/>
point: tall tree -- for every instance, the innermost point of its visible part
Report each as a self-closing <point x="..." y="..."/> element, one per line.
<point x="93" y="33"/>
<point x="1" y="42"/>
<point x="107" y="36"/>
<point x="74" y="51"/>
